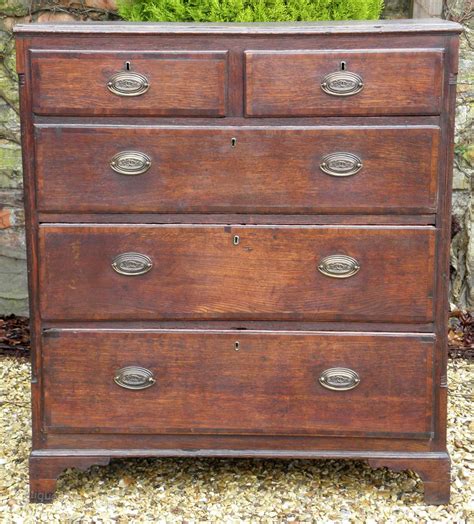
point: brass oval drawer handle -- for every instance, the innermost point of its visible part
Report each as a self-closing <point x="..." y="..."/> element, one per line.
<point x="342" y="83"/>
<point x="339" y="266"/>
<point x="132" y="264"/>
<point x="341" y="164"/>
<point x="134" y="377"/>
<point x="128" y="83"/>
<point x="339" y="379"/>
<point x="130" y="163"/>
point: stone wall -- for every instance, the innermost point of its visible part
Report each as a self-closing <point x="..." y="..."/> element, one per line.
<point x="13" y="292"/>
<point x="462" y="247"/>
<point x="13" y="278"/>
<point x="13" y="285"/>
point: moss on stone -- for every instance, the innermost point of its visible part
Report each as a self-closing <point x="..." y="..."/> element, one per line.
<point x="15" y="7"/>
<point x="10" y="164"/>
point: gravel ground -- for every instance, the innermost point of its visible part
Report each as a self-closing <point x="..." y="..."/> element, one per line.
<point x="190" y="490"/>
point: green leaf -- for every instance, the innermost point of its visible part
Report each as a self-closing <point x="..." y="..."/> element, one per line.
<point x="248" y="10"/>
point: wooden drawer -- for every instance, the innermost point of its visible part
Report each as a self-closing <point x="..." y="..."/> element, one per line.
<point x="237" y="272"/>
<point x="84" y="83"/>
<point x="394" y="82"/>
<point x="271" y="385"/>
<point x="237" y="170"/>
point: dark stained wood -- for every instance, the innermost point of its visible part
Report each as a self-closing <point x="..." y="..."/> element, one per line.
<point x="75" y="83"/>
<point x="435" y="474"/>
<point x="399" y="173"/>
<point x="236" y="218"/>
<point x="269" y="385"/>
<point x="266" y="288"/>
<point x="242" y="325"/>
<point x="443" y="246"/>
<point x="45" y="470"/>
<point x="235" y="43"/>
<point x="124" y="444"/>
<point x="31" y="237"/>
<point x="395" y="82"/>
<point x="272" y="274"/>
<point x="238" y="120"/>
<point x="433" y="468"/>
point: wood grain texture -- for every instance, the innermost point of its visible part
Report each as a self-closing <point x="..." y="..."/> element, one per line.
<point x="435" y="473"/>
<point x="270" y="385"/>
<point x="272" y="274"/>
<point x="47" y="465"/>
<point x="389" y="319"/>
<point x="181" y="83"/>
<point x="31" y="239"/>
<point x="237" y="218"/>
<point x="377" y="27"/>
<point x="266" y="170"/>
<point x="284" y="446"/>
<point x="400" y="82"/>
<point x="45" y="470"/>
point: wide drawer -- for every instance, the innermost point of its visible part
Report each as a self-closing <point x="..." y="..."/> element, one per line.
<point x="343" y="82"/>
<point x="129" y="83"/>
<point x="190" y="382"/>
<point x="196" y="272"/>
<point x="359" y="169"/>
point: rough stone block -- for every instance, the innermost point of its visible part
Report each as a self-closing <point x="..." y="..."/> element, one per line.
<point x="15" y="7"/>
<point x="13" y="273"/>
<point x="10" y="165"/>
<point x="9" y="123"/>
<point x="50" y="17"/>
<point x="108" y="5"/>
<point x="9" y="88"/>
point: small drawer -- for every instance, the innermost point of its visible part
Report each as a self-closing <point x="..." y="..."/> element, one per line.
<point x="363" y="169"/>
<point x="172" y="83"/>
<point x="270" y="383"/>
<point x="343" y="82"/>
<point x="262" y="273"/>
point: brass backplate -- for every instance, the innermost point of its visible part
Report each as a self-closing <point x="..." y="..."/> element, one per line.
<point x="134" y="377"/>
<point x="342" y="83"/>
<point x="339" y="266"/>
<point x="132" y="264"/>
<point x="128" y="83"/>
<point x="341" y="164"/>
<point x="339" y="379"/>
<point x="130" y="163"/>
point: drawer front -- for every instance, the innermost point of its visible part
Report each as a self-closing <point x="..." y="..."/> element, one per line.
<point x="373" y="82"/>
<point x="233" y="170"/>
<point x="163" y="382"/>
<point x="194" y="272"/>
<point x="157" y="83"/>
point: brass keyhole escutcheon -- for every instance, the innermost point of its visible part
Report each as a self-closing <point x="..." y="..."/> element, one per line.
<point x="236" y="240"/>
<point x="237" y="345"/>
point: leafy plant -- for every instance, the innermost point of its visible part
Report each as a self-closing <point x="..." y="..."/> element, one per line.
<point x="248" y="10"/>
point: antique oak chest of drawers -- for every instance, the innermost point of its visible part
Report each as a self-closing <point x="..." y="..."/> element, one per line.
<point x="238" y="242"/>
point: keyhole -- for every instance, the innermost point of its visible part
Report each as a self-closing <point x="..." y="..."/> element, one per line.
<point x="233" y="141"/>
<point x="127" y="66"/>
<point x="237" y="346"/>
<point x="343" y="66"/>
<point x="236" y="240"/>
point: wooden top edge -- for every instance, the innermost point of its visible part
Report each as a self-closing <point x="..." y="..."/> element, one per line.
<point x="279" y="28"/>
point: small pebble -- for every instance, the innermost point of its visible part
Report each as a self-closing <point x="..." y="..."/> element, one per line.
<point x="231" y="491"/>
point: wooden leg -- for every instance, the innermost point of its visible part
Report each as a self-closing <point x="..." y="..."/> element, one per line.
<point x="435" y="473"/>
<point x="44" y="471"/>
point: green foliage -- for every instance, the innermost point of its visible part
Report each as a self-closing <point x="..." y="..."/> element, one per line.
<point x="248" y="10"/>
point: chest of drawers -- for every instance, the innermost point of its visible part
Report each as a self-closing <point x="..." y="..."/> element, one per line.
<point x="238" y="242"/>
